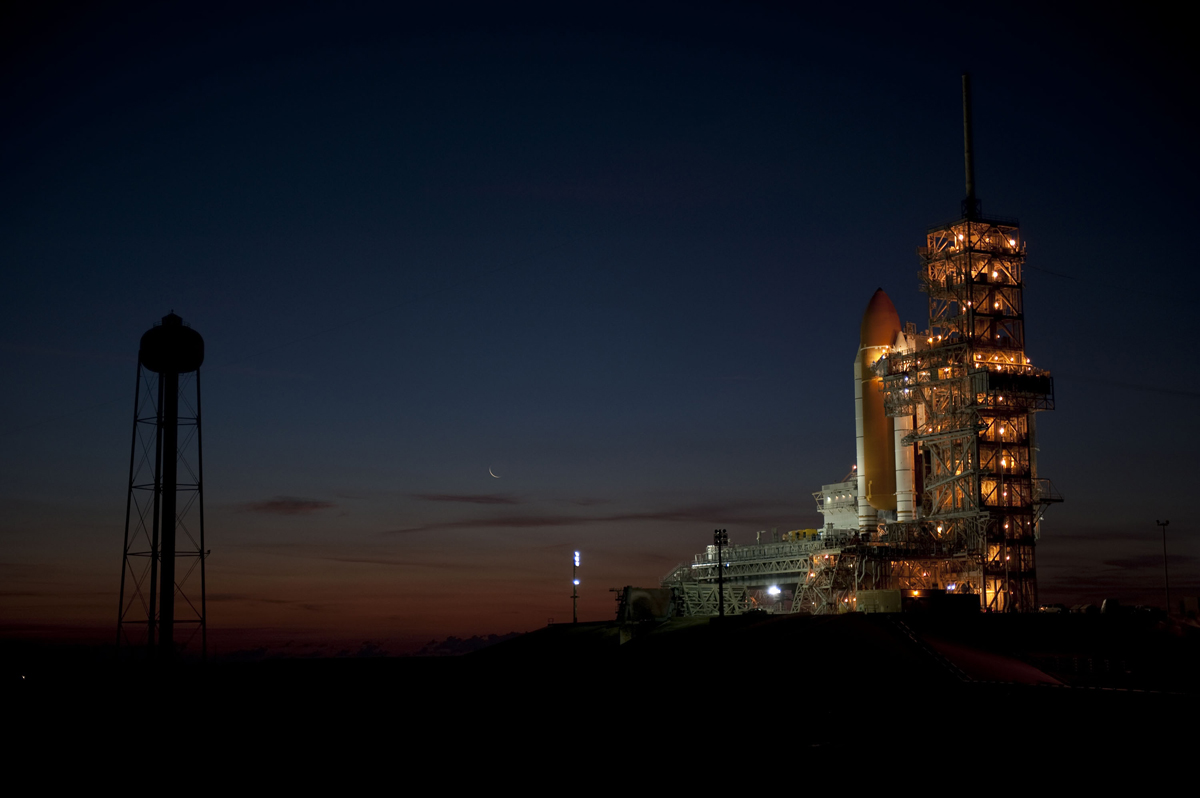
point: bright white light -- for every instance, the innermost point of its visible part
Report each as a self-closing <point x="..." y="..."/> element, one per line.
<point x="576" y="581"/>
<point x="774" y="590"/>
<point x="576" y="558"/>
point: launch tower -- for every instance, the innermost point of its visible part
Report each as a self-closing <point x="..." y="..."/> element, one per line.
<point x="972" y="394"/>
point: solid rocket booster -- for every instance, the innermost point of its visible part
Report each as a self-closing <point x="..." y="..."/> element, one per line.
<point x="876" y="437"/>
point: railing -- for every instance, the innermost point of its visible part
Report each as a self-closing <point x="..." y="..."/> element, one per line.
<point x="1044" y="491"/>
<point x="760" y="551"/>
<point x="680" y="573"/>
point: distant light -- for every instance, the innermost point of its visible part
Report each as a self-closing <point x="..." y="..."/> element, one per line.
<point x="576" y="558"/>
<point x="774" y="590"/>
<point x="576" y="581"/>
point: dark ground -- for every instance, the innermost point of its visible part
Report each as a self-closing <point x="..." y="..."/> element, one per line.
<point x="851" y="684"/>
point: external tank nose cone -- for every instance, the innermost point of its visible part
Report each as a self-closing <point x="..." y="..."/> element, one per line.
<point x="880" y="322"/>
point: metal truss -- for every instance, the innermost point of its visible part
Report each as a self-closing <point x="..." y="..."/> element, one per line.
<point x="830" y="584"/>
<point x="752" y="570"/>
<point x="696" y="598"/>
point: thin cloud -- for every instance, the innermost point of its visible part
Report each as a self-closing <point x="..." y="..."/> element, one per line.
<point x="589" y="502"/>
<point x="288" y="505"/>
<point x="728" y="513"/>
<point x="469" y="498"/>
<point x="501" y="522"/>
<point x="246" y="597"/>
<point x="227" y="597"/>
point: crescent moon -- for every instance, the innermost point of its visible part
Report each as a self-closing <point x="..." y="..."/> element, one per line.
<point x="490" y="472"/>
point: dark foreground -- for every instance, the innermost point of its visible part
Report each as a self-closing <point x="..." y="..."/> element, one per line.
<point x="807" y="685"/>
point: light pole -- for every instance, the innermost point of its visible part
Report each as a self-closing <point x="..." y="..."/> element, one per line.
<point x="720" y="540"/>
<point x="575" y="591"/>
<point x="1166" y="576"/>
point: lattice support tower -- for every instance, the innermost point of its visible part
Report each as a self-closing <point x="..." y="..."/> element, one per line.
<point x="163" y="607"/>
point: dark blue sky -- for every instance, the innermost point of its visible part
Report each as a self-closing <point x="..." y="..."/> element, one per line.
<point x="619" y="255"/>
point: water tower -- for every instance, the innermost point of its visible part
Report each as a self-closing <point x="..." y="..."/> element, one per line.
<point x="162" y="607"/>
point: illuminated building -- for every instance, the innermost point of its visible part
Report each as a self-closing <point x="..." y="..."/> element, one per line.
<point x="946" y="495"/>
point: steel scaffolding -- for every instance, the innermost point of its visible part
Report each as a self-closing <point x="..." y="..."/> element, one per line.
<point x="973" y="394"/>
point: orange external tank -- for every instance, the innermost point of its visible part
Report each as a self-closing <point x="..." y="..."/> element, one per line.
<point x="874" y="428"/>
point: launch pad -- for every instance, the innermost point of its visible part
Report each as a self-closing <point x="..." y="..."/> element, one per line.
<point x="945" y="497"/>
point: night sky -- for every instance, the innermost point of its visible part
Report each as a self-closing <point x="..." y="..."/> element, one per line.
<point x="616" y="254"/>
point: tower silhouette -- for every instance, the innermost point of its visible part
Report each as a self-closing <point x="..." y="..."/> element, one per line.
<point x="164" y="509"/>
